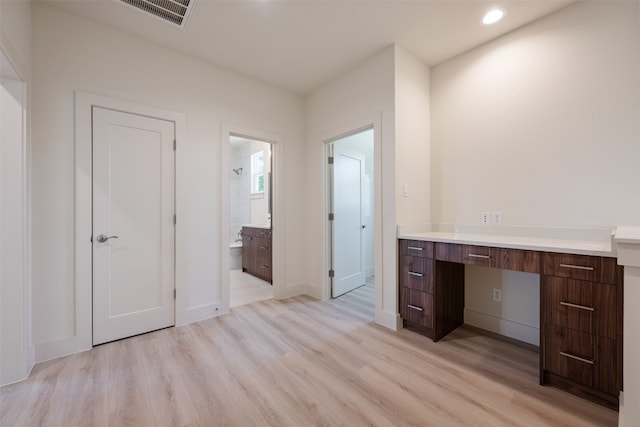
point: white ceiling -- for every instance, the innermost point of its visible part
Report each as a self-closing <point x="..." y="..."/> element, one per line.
<point x="300" y="44"/>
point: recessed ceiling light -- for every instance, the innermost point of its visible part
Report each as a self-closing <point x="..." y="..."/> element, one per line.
<point x="493" y="16"/>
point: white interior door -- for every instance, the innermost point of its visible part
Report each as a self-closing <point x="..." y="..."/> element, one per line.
<point x="133" y="209"/>
<point x="348" y="233"/>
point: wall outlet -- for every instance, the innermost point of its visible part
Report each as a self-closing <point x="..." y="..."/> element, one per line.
<point x="484" y="218"/>
<point x="496" y="218"/>
<point x="405" y="190"/>
<point x="497" y="295"/>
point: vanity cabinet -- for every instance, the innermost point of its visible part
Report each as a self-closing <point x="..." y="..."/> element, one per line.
<point x="256" y="252"/>
<point x="581" y="331"/>
<point x="581" y="300"/>
<point x="430" y="302"/>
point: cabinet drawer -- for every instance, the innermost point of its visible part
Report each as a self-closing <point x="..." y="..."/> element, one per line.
<point x="416" y="273"/>
<point x="581" y="267"/>
<point x="479" y="255"/>
<point x="588" y="307"/>
<point x="570" y="354"/>
<point x="585" y="359"/>
<point x="416" y="307"/>
<point x="518" y="260"/>
<point x="256" y="232"/>
<point x="451" y="252"/>
<point x="417" y="248"/>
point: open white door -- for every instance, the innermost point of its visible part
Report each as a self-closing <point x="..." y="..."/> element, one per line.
<point x="133" y="224"/>
<point x="347" y="225"/>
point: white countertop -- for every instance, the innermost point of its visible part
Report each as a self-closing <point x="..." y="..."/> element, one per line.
<point x="262" y="226"/>
<point x="544" y="244"/>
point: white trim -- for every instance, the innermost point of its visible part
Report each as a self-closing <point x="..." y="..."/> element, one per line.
<point x="278" y="220"/>
<point x="374" y="121"/>
<point x="507" y="328"/>
<point x="82" y="338"/>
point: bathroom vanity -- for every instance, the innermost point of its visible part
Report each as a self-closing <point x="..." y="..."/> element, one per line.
<point x="256" y="252"/>
<point x="580" y="303"/>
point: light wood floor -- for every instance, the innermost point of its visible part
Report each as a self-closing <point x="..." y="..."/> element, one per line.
<point x="297" y="362"/>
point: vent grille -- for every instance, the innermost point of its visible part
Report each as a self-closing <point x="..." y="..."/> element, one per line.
<point x="175" y="12"/>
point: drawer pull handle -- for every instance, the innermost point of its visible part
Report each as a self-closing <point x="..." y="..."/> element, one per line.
<point x="263" y="247"/>
<point x="581" y="307"/>
<point x="581" y="359"/>
<point x="414" y="307"/>
<point x="480" y="256"/>
<point x="414" y="248"/>
<point x="413" y="273"/>
<point x="264" y="266"/>
<point x="577" y="267"/>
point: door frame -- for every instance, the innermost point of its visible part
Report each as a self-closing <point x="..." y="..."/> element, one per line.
<point x="338" y="133"/>
<point x="277" y="207"/>
<point x="84" y="103"/>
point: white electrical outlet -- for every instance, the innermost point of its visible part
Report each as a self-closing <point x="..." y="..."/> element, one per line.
<point x="405" y="190"/>
<point x="496" y="217"/>
<point x="484" y="218"/>
<point x="497" y="295"/>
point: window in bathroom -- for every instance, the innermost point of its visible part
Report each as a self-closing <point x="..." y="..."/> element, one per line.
<point x="257" y="173"/>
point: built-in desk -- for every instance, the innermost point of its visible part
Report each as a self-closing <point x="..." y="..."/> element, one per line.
<point x="580" y="301"/>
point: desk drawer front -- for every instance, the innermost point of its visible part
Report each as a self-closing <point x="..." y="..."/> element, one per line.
<point x="581" y="267"/>
<point x="449" y="252"/>
<point x="416" y="307"/>
<point x="479" y="255"/>
<point x="256" y="232"/>
<point x="416" y="248"/>
<point x="570" y="354"/>
<point x="588" y="307"/>
<point x="417" y="273"/>
<point x="519" y="260"/>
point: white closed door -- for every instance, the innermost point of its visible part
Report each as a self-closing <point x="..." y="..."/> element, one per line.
<point x="133" y="224"/>
<point x="347" y="225"/>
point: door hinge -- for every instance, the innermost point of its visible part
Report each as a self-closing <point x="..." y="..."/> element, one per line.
<point x="331" y="217"/>
<point x="174" y="294"/>
<point x="175" y="220"/>
<point x="331" y="273"/>
<point x="174" y="145"/>
<point x="330" y="160"/>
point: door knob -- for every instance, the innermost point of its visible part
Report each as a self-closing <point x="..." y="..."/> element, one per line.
<point x="102" y="238"/>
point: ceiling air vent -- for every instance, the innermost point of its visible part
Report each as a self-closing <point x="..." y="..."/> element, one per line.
<point x="175" y="12"/>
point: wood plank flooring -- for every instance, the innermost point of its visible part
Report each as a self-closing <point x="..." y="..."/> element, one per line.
<point x="296" y="362"/>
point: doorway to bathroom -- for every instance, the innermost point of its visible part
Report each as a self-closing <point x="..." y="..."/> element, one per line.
<point x="250" y="210"/>
<point x="351" y="216"/>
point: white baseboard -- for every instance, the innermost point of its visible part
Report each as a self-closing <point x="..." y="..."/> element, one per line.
<point x="504" y="327"/>
<point x="392" y="321"/>
<point x="59" y="348"/>
<point x="201" y="312"/>
<point x="294" y="290"/>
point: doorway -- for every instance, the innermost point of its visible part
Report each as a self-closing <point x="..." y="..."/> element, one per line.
<point x="250" y="220"/>
<point x="133" y="224"/>
<point x="351" y="213"/>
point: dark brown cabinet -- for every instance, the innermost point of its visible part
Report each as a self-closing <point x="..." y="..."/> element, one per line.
<point x="581" y="331"/>
<point x="430" y="302"/>
<point x="581" y="307"/>
<point x="256" y="252"/>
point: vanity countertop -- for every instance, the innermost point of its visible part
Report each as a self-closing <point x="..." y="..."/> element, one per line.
<point x="544" y="244"/>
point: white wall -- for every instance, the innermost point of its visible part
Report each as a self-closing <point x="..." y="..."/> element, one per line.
<point x="15" y="34"/>
<point x="388" y="85"/>
<point x="95" y="58"/>
<point x="412" y="103"/>
<point x="353" y="100"/>
<point x="16" y="351"/>
<point x="542" y="124"/>
<point x="260" y="203"/>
